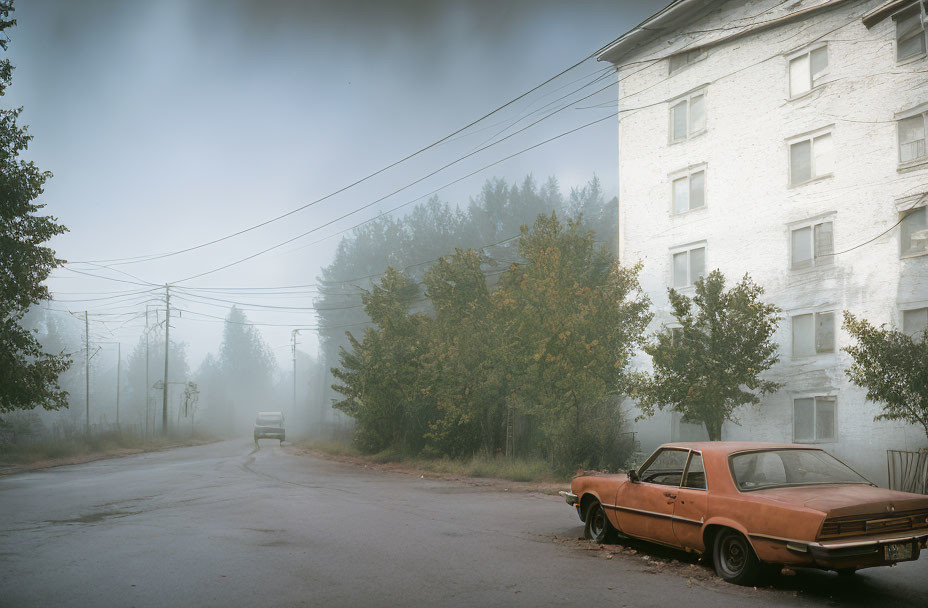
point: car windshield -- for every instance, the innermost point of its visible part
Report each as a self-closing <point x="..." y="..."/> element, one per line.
<point x="270" y="419"/>
<point x="779" y="468"/>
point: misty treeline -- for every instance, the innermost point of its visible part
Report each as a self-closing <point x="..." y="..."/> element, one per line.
<point x="489" y="221"/>
<point x="518" y="347"/>
<point x="241" y="378"/>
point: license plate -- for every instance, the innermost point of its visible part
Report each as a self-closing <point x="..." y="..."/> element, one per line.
<point x="894" y="552"/>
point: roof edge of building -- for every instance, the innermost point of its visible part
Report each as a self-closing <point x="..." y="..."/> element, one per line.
<point x="664" y="21"/>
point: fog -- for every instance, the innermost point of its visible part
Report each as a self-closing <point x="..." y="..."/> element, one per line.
<point x="172" y="124"/>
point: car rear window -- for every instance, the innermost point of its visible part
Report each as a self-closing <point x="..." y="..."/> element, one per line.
<point x="269" y="419"/>
<point x="778" y="468"/>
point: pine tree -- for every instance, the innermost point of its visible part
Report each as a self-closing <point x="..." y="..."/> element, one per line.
<point x="28" y="375"/>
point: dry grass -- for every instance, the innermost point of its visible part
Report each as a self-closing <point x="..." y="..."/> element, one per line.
<point x="80" y="448"/>
<point x="517" y="469"/>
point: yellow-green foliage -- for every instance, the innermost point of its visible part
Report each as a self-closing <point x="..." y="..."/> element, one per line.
<point x="545" y="349"/>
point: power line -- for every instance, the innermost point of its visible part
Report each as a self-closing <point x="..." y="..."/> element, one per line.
<point x="431" y="174"/>
<point x="290" y="240"/>
<point x="151" y="257"/>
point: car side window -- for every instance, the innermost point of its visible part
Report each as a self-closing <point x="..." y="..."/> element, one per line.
<point x="695" y="473"/>
<point x="666" y="468"/>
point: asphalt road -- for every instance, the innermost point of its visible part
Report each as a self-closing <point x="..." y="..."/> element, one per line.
<point x="224" y="525"/>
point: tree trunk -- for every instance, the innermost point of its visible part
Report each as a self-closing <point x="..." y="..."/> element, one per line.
<point x="714" y="428"/>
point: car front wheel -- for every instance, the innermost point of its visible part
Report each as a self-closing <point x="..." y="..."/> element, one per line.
<point x="597" y="528"/>
<point x="734" y="559"/>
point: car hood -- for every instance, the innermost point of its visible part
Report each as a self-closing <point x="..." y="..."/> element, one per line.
<point x="847" y="499"/>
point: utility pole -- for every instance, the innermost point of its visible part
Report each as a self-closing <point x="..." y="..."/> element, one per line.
<point x="167" y="349"/>
<point x="118" y="362"/>
<point x="147" y="382"/>
<point x="293" y="334"/>
<point x="86" y="374"/>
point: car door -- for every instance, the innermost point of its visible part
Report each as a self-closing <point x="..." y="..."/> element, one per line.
<point x="690" y="503"/>
<point x="644" y="509"/>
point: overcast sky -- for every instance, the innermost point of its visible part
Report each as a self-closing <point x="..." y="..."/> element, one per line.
<point x="168" y="124"/>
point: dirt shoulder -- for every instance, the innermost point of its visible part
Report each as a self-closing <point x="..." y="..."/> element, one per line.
<point x="12" y="469"/>
<point x="503" y="485"/>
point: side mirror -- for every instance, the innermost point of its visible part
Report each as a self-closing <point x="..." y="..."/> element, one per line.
<point x="633" y="475"/>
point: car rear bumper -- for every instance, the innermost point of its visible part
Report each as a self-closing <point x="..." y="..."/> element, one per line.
<point x="269" y="433"/>
<point x="861" y="552"/>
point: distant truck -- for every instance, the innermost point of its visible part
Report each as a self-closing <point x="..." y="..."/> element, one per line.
<point x="269" y="425"/>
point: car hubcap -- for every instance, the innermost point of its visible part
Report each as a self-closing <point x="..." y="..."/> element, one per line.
<point x="733" y="554"/>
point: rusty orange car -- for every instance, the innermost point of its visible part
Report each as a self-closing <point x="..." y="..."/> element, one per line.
<point x="752" y="506"/>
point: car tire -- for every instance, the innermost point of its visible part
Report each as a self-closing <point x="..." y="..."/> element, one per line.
<point x="734" y="558"/>
<point x="597" y="527"/>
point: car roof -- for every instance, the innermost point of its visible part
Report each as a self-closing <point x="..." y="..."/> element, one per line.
<point x="270" y="413"/>
<point x="730" y="447"/>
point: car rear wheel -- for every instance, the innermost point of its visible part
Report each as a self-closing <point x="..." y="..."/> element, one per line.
<point x="734" y="559"/>
<point x="597" y="528"/>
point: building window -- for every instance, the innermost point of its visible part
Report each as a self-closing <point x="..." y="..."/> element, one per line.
<point x="688" y="266"/>
<point x="915" y="322"/>
<point x="807" y="70"/>
<point x="910" y="34"/>
<point x="681" y="60"/>
<point x="913" y="238"/>
<point x="912" y="138"/>
<point x="689" y="192"/>
<point x="688" y="116"/>
<point x="812" y="245"/>
<point x="810" y="158"/>
<point x="814" y="419"/>
<point x="813" y="334"/>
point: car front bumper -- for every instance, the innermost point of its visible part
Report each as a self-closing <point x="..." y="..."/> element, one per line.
<point x="573" y="500"/>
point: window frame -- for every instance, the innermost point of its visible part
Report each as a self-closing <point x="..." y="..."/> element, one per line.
<point x="906" y="214"/>
<point x="687" y="249"/>
<point x="917" y="11"/>
<point x="906" y="206"/>
<point x="810" y="136"/>
<point x="687" y="174"/>
<point x="922" y="111"/>
<point x="828" y="260"/>
<point x="688" y="97"/>
<point x="686" y="466"/>
<point x="814" y="314"/>
<point x="815" y="396"/>
<point x="697" y="54"/>
<point x="910" y="308"/>
<point x="813" y="85"/>
<point x="655" y="455"/>
<point x="686" y="471"/>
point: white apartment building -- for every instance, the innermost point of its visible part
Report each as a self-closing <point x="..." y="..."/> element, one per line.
<point x="786" y="140"/>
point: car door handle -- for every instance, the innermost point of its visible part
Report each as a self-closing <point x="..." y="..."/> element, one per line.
<point x="669" y="495"/>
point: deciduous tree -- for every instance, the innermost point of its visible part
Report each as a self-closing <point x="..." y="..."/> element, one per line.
<point x="893" y="367"/>
<point x="712" y="363"/>
<point x="572" y="317"/>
